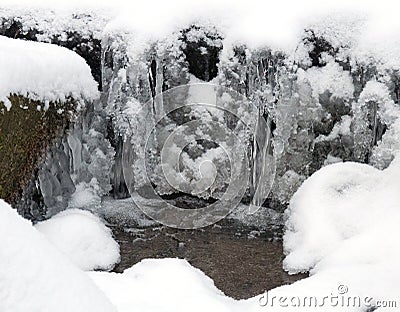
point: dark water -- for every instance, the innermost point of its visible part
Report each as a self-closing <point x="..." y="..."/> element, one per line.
<point x="242" y="263"/>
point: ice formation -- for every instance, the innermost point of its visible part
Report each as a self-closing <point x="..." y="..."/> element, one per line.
<point x="326" y="98"/>
<point x="330" y="98"/>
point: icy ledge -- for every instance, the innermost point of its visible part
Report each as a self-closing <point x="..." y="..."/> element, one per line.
<point x="44" y="72"/>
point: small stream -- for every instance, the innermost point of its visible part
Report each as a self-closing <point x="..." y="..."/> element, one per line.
<point x="243" y="262"/>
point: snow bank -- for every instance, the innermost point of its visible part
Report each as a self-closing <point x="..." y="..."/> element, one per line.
<point x="80" y="235"/>
<point x="328" y="208"/>
<point x="34" y="276"/>
<point x="256" y="22"/>
<point x="162" y="285"/>
<point x="43" y="72"/>
<point x="240" y="21"/>
<point x="343" y="227"/>
<point x="335" y="226"/>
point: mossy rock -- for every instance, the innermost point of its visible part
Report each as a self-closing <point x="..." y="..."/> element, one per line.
<point x="26" y="132"/>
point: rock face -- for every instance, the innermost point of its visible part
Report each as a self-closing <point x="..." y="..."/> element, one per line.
<point x="325" y="102"/>
<point x="25" y="135"/>
<point x="79" y="157"/>
<point x="51" y="141"/>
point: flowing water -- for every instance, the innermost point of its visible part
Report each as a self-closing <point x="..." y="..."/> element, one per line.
<point x="242" y="262"/>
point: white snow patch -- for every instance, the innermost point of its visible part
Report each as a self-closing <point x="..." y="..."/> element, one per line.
<point x="339" y="129"/>
<point x="330" y="78"/>
<point x="335" y="227"/>
<point x="56" y="22"/>
<point x="83" y="238"/>
<point x="162" y="285"/>
<point x="35" y="276"/>
<point x="256" y="23"/>
<point x="86" y="195"/>
<point x="44" y="72"/>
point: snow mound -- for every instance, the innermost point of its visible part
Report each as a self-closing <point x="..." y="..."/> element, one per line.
<point x="34" y="276"/>
<point x="162" y="285"/>
<point x="83" y="238"/>
<point x="343" y="227"/>
<point x="43" y="72"/>
<point x="328" y="208"/>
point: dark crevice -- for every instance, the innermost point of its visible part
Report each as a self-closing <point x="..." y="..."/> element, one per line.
<point x="319" y="45"/>
<point x="202" y="57"/>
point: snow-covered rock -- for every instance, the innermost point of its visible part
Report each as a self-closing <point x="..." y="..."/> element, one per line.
<point x="35" y="276"/>
<point x="53" y="128"/>
<point x="79" y="30"/>
<point x="43" y="72"/>
<point x="43" y="87"/>
<point x="83" y="238"/>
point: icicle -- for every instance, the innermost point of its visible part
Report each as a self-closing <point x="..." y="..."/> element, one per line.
<point x="76" y="151"/>
<point x="263" y="163"/>
<point x="159" y="106"/>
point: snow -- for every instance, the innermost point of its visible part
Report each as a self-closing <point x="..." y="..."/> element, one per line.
<point x="83" y="238"/>
<point x="334" y="230"/>
<point x="35" y="276"/>
<point x="341" y="224"/>
<point x="330" y="78"/>
<point x="339" y="129"/>
<point x="342" y="227"/>
<point x="43" y="72"/>
<point x="327" y="209"/>
<point x="86" y="195"/>
<point x="55" y="22"/>
<point x="162" y="285"/>
<point x="341" y="30"/>
<point x="255" y="22"/>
